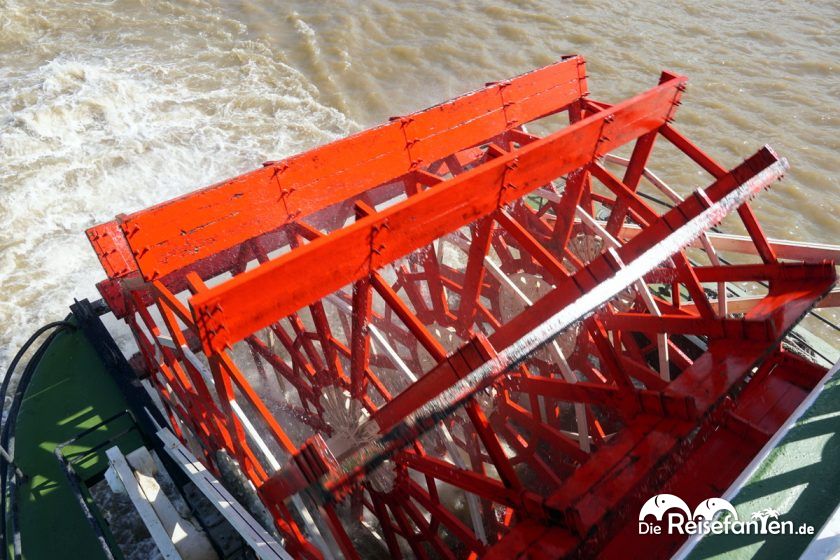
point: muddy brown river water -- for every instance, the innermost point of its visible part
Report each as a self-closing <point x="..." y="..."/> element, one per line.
<point x="108" y="107"/>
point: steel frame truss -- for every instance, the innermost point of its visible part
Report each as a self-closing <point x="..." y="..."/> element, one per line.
<point x="289" y="315"/>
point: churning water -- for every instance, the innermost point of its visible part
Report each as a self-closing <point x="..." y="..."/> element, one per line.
<point x="108" y="107"/>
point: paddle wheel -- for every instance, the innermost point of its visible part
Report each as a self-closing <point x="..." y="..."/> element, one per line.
<point x="369" y="331"/>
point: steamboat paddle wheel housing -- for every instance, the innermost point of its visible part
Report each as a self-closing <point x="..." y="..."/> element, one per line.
<point x="450" y="337"/>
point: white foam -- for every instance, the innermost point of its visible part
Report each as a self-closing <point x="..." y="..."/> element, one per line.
<point x="94" y="122"/>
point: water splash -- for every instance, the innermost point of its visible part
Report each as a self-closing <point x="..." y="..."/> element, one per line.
<point x="97" y="120"/>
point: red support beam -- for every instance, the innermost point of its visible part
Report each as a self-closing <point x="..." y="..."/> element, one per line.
<point x="635" y="169"/>
<point x="567" y="290"/>
<point x="765" y="250"/>
<point x="234" y="211"/>
<point x="546" y="433"/>
<point x="299" y="278"/>
<point x="474" y="275"/>
<point x="483" y="486"/>
<point x="360" y="340"/>
<point x="492" y="445"/>
<point x="715" y="328"/>
<point x="445" y="517"/>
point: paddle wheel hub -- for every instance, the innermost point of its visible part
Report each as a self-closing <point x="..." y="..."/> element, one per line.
<point x="449" y="336"/>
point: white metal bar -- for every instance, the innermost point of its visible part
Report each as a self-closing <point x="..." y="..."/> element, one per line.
<point x="263" y="544"/>
<point x="676" y="198"/>
<point x="784" y="248"/>
<point x="255" y="435"/>
<point x="650" y="303"/>
<point x="826" y="543"/>
<point x="190" y="356"/>
<point x="314" y="530"/>
<point x="742" y="304"/>
<point x="311" y="526"/>
<point x="472" y="500"/>
<point x="190" y="542"/>
<point x="496" y="271"/>
<point x="141" y="503"/>
<point x="378" y="338"/>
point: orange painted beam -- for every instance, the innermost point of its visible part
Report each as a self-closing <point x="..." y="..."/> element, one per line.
<point x="175" y="234"/>
<point x="229" y="312"/>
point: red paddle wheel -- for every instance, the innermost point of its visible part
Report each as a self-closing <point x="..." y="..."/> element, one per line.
<point x="293" y="316"/>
